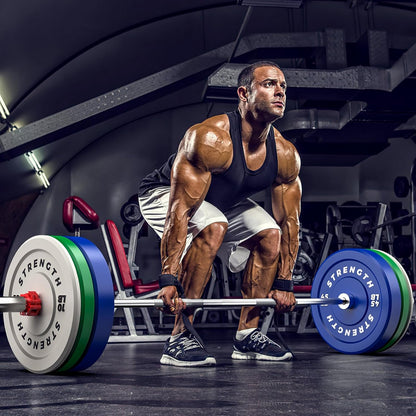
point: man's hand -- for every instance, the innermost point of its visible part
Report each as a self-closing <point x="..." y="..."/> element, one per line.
<point x="285" y="301"/>
<point x="173" y="303"/>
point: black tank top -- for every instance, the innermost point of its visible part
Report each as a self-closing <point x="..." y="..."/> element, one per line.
<point x="237" y="182"/>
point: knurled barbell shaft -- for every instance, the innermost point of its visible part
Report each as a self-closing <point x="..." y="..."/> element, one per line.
<point x="223" y="303"/>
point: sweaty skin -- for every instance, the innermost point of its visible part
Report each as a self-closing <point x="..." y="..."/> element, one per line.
<point x="207" y="149"/>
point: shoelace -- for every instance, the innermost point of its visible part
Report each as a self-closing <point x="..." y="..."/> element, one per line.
<point x="185" y="344"/>
<point x="260" y="340"/>
<point x="189" y="343"/>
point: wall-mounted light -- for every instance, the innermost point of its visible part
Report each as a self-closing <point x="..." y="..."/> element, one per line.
<point x="4" y="111"/>
<point x="4" y="114"/>
<point x="33" y="161"/>
<point x="44" y="179"/>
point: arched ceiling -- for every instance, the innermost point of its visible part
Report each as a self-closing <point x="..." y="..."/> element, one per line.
<point x="70" y="71"/>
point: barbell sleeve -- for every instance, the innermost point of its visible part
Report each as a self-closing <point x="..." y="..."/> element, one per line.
<point x="13" y="304"/>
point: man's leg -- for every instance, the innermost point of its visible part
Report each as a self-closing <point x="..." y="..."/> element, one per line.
<point x="197" y="265"/>
<point x="259" y="273"/>
<point x="206" y="231"/>
<point x="184" y="348"/>
<point x="252" y="243"/>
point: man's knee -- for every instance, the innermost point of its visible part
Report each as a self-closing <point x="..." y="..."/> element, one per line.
<point x="267" y="244"/>
<point x="211" y="237"/>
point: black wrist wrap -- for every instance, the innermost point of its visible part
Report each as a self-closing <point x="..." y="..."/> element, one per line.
<point x="283" y="285"/>
<point x="170" y="280"/>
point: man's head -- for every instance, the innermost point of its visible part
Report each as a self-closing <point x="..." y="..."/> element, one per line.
<point x="247" y="74"/>
<point x="262" y="91"/>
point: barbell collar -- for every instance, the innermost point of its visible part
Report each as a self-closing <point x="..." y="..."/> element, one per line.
<point x="224" y="303"/>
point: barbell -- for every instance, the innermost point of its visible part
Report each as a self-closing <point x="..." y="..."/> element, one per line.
<point x="361" y="301"/>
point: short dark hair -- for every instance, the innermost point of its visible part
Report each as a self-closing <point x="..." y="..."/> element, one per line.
<point x="247" y="74"/>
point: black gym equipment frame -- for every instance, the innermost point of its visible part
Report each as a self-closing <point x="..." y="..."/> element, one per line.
<point x="112" y="103"/>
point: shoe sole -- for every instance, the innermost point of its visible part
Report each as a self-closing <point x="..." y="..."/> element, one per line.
<point x="168" y="360"/>
<point x="237" y="355"/>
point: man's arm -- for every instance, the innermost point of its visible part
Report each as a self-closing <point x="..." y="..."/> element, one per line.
<point x="189" y="185"/>
<point x="286" y="210"/>
<point x="286" y="199"/>
<point x="203" y="150"/>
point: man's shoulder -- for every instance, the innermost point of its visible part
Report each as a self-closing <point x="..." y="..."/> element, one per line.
<point x="284" y="144"/>
<point x="219" y="123"/>
<point x="289" y="161"/>
<point x="209" y="142"/>
<point x="214" y="131"/>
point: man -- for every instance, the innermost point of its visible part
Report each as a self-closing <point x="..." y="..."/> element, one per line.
<point x="198" y="203"/>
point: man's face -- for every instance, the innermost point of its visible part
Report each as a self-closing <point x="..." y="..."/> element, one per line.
<point x="267" y="96"/>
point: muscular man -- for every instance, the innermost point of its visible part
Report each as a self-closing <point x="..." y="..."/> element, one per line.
<point x="198" y="203"/>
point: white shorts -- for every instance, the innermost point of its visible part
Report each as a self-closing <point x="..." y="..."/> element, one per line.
<point x="244" y="220"/>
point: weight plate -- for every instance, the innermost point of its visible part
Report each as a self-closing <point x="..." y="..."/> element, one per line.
<point x="42" y="343"/>
<point x="401" y="186"/>
<point x="104" y="302"/>
<point x="87" y="303"/>
<point x="130" y="213"/>
<point x="407" y="299"/>
<point x="374" y="313"/>
<point x="303" y="269"/>
<point x="360" y="230"/>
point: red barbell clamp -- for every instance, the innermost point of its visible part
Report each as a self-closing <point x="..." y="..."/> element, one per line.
<point x="33" y="304"/>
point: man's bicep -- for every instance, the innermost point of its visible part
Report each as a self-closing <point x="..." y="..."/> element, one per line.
<point x="189" y="185"/>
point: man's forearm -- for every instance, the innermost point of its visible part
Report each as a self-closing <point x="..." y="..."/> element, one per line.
<point x="173" y="244"/>
<point x="289" y="247"/>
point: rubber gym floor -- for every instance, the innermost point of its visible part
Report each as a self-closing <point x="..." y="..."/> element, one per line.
<point x="128" y="380"/>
